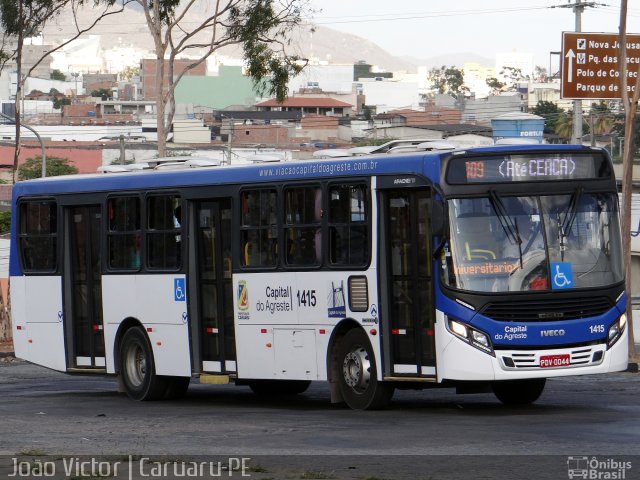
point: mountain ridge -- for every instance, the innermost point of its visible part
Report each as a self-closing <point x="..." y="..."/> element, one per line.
<point x="321" y="42"/>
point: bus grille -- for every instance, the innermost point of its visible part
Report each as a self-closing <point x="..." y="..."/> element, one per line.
<point x="547" y="310"/>
<point x="576" y="357"/>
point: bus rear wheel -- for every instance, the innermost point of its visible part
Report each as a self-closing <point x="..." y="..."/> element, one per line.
<point x="358" y="376"/>
<point x="519" y="392"/>
<point x="138" y="369"/>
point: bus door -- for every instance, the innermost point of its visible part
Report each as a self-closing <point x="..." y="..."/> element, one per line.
<point x="214" y="319"/>
<point x="83" y="288"/>
<point x="406" y="259"/>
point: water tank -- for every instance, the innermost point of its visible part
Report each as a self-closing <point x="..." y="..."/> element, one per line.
<point x="518" y="125"/>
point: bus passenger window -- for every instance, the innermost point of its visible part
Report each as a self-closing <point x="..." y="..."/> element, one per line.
<point x="123" y="233"/>
<point x="348" y="227"/>
<point x="258" y="229"/>
<point x="37" y="236"/>
<point x="303" y="226"/>
<point x="164" y="232"/>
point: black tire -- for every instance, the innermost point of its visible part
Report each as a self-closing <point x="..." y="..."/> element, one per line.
<point x="519" y="392"/>
<point x="138" y="368"/>
<point x="176" y="387"/>
<point x="278" y="387"/>
<point x="357" y="373"/>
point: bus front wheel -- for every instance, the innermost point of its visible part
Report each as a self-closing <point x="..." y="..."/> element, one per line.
<point x="358" y="378"/>
<point x="519" y="392"/>
<point x="138" y="369"/>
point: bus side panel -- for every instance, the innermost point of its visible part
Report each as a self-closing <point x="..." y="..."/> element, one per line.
<point x="19" y="317"/>
<point x="44" y="329"/>
<point x="158" y="302"/>
<point x="256" y="355"/>
<point x="284" y="321"/>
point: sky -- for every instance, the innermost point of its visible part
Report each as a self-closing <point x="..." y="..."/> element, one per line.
<point x="430" y="28"/>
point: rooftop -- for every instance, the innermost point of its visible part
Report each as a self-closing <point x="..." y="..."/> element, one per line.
<point x="305" y="102"/>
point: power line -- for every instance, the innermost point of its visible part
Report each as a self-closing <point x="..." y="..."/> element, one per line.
<point x="391" y="17"/>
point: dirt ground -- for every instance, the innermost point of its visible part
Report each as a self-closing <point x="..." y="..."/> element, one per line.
<point x="6" y="347"/>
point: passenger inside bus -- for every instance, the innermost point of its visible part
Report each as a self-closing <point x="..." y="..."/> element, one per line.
<point x="135" y="252"/>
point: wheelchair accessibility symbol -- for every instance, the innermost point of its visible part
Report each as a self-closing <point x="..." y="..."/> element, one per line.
<point x="562" y="275"/>
<point x="179" y="290"/>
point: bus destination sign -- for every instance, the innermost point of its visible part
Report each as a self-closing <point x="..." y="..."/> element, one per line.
<point x="525" y="168"/>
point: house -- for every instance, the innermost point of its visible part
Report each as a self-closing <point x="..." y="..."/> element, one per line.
<point x="309" y="106"/>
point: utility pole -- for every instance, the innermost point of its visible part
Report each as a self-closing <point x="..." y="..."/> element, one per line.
<point x="122" y="151"/>
<point x="229" y="140"/>
<point x="578" y="7"/>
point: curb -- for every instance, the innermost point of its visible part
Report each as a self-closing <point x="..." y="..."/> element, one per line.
<point x="632" y="367"/>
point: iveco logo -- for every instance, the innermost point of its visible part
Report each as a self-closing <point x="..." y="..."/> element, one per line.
<point x="405" y="181"/>
<point x="552" y="333"/>
<point x="545" y="315"/>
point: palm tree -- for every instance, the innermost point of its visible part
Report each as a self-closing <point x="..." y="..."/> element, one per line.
<point x="602" y="119"/>
<point x="564" y="125"/>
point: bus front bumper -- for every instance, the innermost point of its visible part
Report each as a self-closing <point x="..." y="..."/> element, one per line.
<point x="459" y="360"/>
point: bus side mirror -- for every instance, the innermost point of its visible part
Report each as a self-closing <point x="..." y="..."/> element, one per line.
<point x="437" y="218"/>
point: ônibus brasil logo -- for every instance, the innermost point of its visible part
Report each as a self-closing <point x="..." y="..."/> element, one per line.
<point x="243" y="296"/>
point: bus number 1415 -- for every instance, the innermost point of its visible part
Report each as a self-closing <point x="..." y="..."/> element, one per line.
<point x="306" y="298"/>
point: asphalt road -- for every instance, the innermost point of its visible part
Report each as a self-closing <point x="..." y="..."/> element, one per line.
<point x="431" y="434"/>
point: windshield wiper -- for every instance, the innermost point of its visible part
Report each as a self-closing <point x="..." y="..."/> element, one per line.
<point x="509" y="225"/>
<point x="570" y="215"/>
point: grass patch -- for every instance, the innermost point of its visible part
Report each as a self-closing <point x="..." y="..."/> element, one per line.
<point x="315" y="475"/>
<point x="32" y="452"/>
<point x="257" y="469"/>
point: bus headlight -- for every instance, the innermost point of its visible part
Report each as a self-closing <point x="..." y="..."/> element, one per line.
<point x="470" y="335"/>
<point x="616" y="330"/>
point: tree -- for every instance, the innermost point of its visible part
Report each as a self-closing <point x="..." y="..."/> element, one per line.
<point x="57" y="75"/>
<point x="58" y="102"/>
<point x="448" y="80"/>
<point x="512" y="76"/>
<point x="550" y="112"/>
<point x="129" y="72"/>
<point x="21" y="19"/>
<point x="103" y="93"/>
<point x="601" y="117"/>
<point x="540" y="74"/>
<point x="366" y="112"/>
<point x="564" y="125"/>
<point x="495" y="85"/>
<point x="262" y="29"/>
<point x="56" y="166"/>
<point x="630" y="109"/>
<point x="5" y="222"/>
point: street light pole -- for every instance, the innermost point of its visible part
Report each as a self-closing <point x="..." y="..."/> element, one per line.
<point x="44" y="151"/>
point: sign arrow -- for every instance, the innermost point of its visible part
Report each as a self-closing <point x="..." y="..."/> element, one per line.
<point x="570" y="55"/>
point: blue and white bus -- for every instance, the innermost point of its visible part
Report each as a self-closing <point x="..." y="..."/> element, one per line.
<point x="486" y="269"/>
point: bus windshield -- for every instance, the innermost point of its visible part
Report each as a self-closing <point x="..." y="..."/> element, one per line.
<point x="524" y="243"/>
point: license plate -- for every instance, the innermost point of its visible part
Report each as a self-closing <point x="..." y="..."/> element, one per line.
<point x="551" y="361"/>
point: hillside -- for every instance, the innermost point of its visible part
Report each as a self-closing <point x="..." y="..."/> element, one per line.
<point x="324" y="43"/>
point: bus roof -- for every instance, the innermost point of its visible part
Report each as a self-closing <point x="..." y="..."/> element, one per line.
<point x="427" y="163"/>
